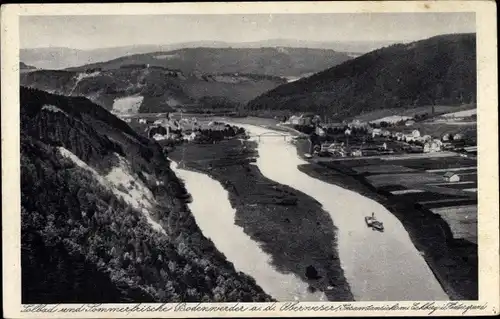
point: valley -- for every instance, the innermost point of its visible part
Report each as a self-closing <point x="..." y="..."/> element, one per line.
<point x="251" y="174"/>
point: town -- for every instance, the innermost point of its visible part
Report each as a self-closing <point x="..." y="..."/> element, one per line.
<point x="360" y="139"/>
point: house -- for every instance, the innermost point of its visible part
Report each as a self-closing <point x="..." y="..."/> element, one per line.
<point x="357" y="153"/>
<point x="294" y="120"/>
<point x="333" y="147"/>
<point x="357" y="124"/>
<point x="433" y="146"/>
<point x="426" y="138"/>
<point x="399" y="136"/>
<point x="408" y="138"/>
<point x="451" y="177"/>
<point x="306" y="119"/>
<point x="193" y="136"/>
<point x="142" y="121"/>
<point x="334" y="125"/>
<point x="414" y="135"/>
<point x="376" y="132"/>
<point x="457" y="137"/>
<point x="385" y="133"/>
<point x="448" y="146"/>
<point x="302" y="119"/>
<point x="320" y="131"/>
<point x="409" y="123"/>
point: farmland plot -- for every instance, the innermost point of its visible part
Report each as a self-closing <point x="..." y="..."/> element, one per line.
<point x="391" y="188"/>
<point x="463" y="185"/>
<point x="461" y="219"/>
<point x="437" y="163"/>
<point x="382" y="169"/>
<point x="424" y="196"/>
<point x="405" y="179"/>
<point x="445" y="203"/>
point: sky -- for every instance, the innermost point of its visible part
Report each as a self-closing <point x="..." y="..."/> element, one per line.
<point x="100" y="31"/>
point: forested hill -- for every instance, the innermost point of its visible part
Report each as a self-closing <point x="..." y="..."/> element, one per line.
<point x="438" y="70"/>
<point x="160" y="89"/>
<point x="104" y="218"/>
<point x="278" y="62"/>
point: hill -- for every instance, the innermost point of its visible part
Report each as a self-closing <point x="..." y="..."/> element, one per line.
<point x="104" y="219"/>
<point x="155" y="89"/>
<point x="439" y="70"/>
<point x="24" y="66"/>
<point x="61" y="58"/>
<point x="278" y="61"/>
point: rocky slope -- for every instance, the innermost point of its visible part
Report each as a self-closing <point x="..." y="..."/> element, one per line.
<point x="104" y="219"/>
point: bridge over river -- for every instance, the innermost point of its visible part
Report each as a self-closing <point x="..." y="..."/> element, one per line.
<point x="271" y="134"/>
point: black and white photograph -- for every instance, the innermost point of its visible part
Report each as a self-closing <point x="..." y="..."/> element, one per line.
<point x="268" y="158"/>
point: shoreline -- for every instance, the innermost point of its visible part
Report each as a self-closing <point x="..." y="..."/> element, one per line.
<point x="433" y="238"/>
<point x="272" y="214"/>
<point x="445" y="257"/>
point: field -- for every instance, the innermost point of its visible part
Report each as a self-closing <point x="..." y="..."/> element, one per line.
<point x="439" y="109"/>
<point x="441" y="221"/>
<point x="436" y="163"/>
<point x="462" y="220"/>
<point x="420" y="182"/>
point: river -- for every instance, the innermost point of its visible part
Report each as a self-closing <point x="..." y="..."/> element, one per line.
<point x="215" y="216"/>
<point x="378" y="266"/>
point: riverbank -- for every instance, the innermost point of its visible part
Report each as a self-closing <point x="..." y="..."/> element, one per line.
<point x="453" y="262"/>
<point x="290" y="226"/>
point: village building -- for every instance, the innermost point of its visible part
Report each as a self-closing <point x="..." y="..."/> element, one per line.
<point x="142" y="121"/>
<point x="376" y="132"/>
<point x="193" y="136"/>
<point x="334" y="125"/>
<point x="414" y="135"/>
<point x="398" y="136"/>
<point x="385" y="133"/>
<point x="320" y="131"/>
<point x="304" y="119"/>
<point x="334" y="147"/>
<point x="357" y="124"/>
<point x="427" y="138"/>
<point x="299" y="120"/>
<point x="409" y="122"/>
<point x="433" y="146"/>
<point x="451" y="177"/>
<point x="357" y="153"/>
<point x="457" y="137"/>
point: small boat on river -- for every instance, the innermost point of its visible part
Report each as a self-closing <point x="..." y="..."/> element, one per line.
<point x="372" y="222"/>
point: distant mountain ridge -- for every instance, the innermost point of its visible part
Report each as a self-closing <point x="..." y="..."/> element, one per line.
<point x="278" y="61"/>
<point x="211" y="77"/>
<point x="438" y="70"/>
<point x="61" y="58"/>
